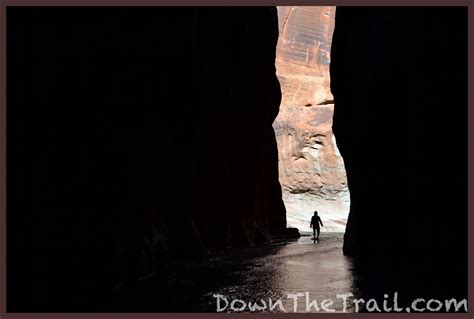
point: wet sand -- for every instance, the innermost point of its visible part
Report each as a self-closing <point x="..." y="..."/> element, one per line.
<point x="318" y="271"/>
<point x="263" y="272"/>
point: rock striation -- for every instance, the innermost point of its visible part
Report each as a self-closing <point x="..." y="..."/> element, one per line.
<point x="311" y="169"/>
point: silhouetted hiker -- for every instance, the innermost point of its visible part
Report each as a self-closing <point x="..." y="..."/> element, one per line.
<point x="315" y="221"/>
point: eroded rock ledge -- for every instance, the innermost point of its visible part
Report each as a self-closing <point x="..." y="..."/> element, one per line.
<point x="312" y="171"/>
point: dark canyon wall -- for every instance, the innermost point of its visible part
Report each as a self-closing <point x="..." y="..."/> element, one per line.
<point x="398" y="76"/>
<point x="135" y="136"/>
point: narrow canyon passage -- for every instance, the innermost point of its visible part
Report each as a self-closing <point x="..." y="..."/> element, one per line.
<point x="311" y="169"/>
<point x="160" y="156"/>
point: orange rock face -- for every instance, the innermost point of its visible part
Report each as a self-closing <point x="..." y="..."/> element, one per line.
<point x="312" y="173"/>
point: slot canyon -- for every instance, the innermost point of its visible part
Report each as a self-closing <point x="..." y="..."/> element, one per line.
<point x="157" y="156"/>
<point x="311" y="170"/>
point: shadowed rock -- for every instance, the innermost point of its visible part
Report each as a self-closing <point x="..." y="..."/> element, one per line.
<point x="398" y="76"/>
<point x="136" y="135"/>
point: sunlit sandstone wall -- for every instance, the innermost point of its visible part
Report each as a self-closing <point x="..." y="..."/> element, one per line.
<point x="311" y="170"/>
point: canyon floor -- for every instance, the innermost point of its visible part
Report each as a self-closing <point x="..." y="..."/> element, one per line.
<point x="265" y="272"/>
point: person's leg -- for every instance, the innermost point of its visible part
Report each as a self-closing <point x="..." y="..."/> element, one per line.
<point x="314" y="232"/>
<point x="318" y="233"/>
